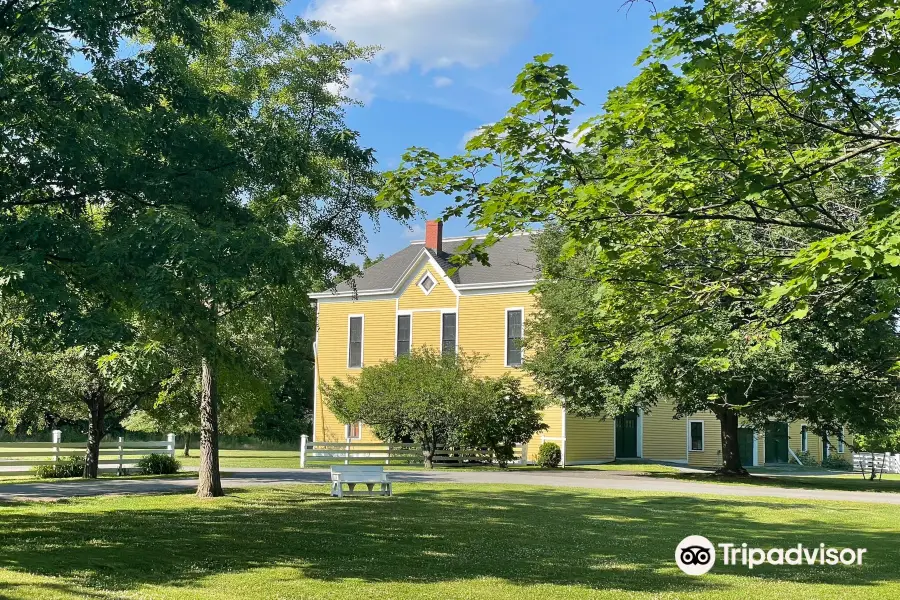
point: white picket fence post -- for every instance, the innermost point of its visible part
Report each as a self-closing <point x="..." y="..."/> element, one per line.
<point x="170" y="444"/>
<point x="303" y="440"/>
<point x="121" y="454"/>
<point x="57" y="439"/>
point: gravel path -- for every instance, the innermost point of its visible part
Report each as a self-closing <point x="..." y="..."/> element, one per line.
<point x="611" y="480"/>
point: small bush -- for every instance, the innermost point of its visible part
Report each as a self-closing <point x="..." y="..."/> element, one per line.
<point x="837" y="463"/>
<point x="549" y="455"/>
<point x="806" y="459"/>
<point x="158" y="464"/>
<point x="73" y="466"/>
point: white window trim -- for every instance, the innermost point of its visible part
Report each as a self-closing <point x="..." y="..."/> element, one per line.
<point x="403" y="313"/>
<point x="362" y="341"/>
<point x="347" y="430"/>
<point x="506" y="336"/>
<point x="804" y="438"/>
<point x="447" y="311"/>
<point x="702" y="435"/>
<point x="427" y="275"/>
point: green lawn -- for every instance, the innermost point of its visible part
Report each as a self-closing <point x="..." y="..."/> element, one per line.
<point x="843" y="481"/>
<point x="281" y="459"/>
<point x="431" y="542"/>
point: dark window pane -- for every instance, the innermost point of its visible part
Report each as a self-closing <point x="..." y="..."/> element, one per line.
<point x="514" y="338"/>
<point x="356" y="342"/>
<point x="696" y="436"/>
<point x="448" y="333"/>
<point x="404" y="331"/>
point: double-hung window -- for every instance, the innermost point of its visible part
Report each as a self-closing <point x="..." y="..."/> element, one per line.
<point x="696" y="436"/>
<point x="514" y="331"/>
<point x="404" y="334"/>
<point x="804" y="439"/>
<point x="355" y="344"/>
<point x="448" y="333"/>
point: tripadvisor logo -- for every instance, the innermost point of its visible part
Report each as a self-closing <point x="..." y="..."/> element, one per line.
<point x="696" y="555"/>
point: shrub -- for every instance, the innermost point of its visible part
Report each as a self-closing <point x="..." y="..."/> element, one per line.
<point x="806" y="459"/>
<point x="549" y="455"/>
<point x="502" y="415"/>
<point x="73" y="466"/>
<point x="837" y="463"/>
<point x="158" y="464"/>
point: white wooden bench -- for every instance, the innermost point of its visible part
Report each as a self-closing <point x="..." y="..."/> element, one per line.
<point x="356" y="474"/>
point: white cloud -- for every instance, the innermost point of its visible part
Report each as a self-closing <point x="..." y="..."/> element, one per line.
<point x="440" y="82"/>
<point x="356" y="87"/>
<point x="429" y="33"/>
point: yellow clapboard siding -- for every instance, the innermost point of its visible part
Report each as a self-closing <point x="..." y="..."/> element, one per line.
<point x="441" y="295"/>
<point x="482" y="328"/>
<point x="589" y="440"/>
<point x="664" y="437"/>
<point x="711" y="455"/>
<point x="426" y="329"/>
<point x="552" y="416"/>
<point x="379" y="331"/>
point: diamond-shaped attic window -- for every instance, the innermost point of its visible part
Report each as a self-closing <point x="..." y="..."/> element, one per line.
<point x="427" y="283"/>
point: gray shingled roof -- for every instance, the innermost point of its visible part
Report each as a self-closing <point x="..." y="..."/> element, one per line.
<point x="512" y="260"/>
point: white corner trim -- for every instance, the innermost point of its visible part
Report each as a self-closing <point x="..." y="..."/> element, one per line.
<point x="316" y="375"/>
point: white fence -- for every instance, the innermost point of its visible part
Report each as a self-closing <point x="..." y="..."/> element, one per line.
<point x="324" y="453"/>
<point x="883" y="462"/>
<point x="22" y="456"/>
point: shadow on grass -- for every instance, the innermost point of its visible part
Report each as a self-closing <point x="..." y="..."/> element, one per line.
<point x="811" y="482"/>
<point x="430" y="534"/>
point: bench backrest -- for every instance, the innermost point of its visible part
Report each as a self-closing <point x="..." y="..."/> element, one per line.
<point x="351" y="470"/>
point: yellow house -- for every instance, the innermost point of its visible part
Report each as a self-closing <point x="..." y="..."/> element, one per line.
<point x="408" y="300"/>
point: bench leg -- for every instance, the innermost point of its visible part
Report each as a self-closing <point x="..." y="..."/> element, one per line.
<point x="337" y="489"/>
<point x="351" y="487"/>
<point x="371" y="487"/>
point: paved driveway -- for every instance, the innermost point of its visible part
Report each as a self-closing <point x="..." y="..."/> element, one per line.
<point x="611" y="480"/>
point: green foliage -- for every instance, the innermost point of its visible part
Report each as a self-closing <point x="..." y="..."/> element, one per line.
<point x="503" y="415"/>
<point x="424" y="396"/>
<point x="158" y="464"/>
<point x="836" y="462"/>
<point x="549" y="455"/>
<point x="71" y="466"/>
<point x="884" y="440"/>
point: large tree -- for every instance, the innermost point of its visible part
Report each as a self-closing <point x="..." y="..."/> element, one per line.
<point x="175" y="161"/>
<point x="830" y="370"/>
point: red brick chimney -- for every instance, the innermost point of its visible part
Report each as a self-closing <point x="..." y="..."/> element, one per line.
<point x="434" y="235"/>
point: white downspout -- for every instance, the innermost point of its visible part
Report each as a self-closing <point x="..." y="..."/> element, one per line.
<point x="563" y="449"/>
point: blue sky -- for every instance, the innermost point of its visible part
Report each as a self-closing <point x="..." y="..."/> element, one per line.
<point x="446" y="67"/>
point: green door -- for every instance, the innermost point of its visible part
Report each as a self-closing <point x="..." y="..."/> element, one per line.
<point x="745" y="444"/>
<point x="776" y="442"/>
<point x="626" y="436"/>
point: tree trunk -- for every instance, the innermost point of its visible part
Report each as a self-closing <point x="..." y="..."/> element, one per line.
<point x="209" y="483"/>
<point x="187" y="444"/>
<point x="731" y="455"/>
<point x="96" y="402"/>
<point x="428" y="449"/>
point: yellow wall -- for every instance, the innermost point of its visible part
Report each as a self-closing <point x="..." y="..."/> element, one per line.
<point x="379" y="324"/>
<point x="664" y="438"/>
<point x="589" y="440"/>
<point x="426" y="329"/>
<point x="711" y="455"/>
<point x="441" y="295"/>
<point x="481" y="329"/>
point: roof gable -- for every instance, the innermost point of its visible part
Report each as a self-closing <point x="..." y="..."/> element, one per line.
<point x="512" y="262"/>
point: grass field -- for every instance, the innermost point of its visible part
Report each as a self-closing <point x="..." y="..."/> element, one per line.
<point x="844" y="481"/>
<point x="431" y="542"/>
